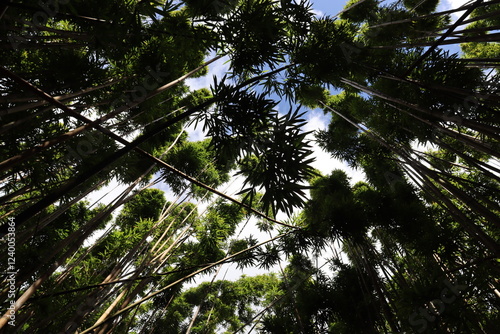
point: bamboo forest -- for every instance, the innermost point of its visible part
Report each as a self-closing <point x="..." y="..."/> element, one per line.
<point x="161" y="166"/>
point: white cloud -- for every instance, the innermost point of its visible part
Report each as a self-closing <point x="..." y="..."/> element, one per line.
<point x="195" y="131"/>
<point x="317" y="13"/>
<point x="106" y="194"/>
<point x="217" y="68"/>
<point x="452" y="4"/>
<point x="316" y="120"/>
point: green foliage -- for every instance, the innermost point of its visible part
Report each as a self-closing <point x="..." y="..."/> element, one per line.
<point x="342" y="139"/>
<point x="196" y="97"/>
<point x="421" y="7"/>
<point x="358" y="10"/>
<point x="240" y="116"/>
<point x="35" y="256"/>
<point x="102" y="58"/>
<point x="196" y="160"/>
<point x="482" y="27"/>
<point x="353" y="304"/>
<point x="281" y="163"/>
<point x="332" y="211"/>
<point x="210" y="8"/>
<point x="246" y="259"/>
<point x="221" y="306"/>
<point x="253" y="44"/>
<point x="323" y="56"/>
<point x="147" y="204"/>
<point x="310" y="95"/>
<point x="272" y="150"/>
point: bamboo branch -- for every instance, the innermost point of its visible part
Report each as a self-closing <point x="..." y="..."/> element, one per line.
<point x="168" y="286"/>
<point x="442" y="38"/>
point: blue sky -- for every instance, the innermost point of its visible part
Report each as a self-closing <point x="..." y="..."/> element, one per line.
<point x="328" y="7"/>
